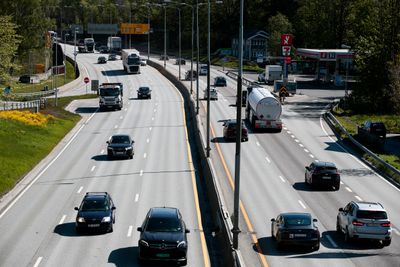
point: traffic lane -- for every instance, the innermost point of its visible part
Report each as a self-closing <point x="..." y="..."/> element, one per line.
<point x="256" y="192"/>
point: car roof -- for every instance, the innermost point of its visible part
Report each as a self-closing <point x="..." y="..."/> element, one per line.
<point x="116" y="135"/>
<point x="162" y="212"/>
<point x="324" y="164"/>
<point x="295" y="214"/>
<point x="96" y="195"/>
<point x="364" y="205"/>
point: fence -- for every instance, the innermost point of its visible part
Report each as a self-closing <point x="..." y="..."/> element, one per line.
<point x="11" y="105"/>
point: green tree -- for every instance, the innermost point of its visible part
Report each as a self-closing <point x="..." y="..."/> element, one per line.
<point x="9" y="41"/>
<point x="277" y="25"/>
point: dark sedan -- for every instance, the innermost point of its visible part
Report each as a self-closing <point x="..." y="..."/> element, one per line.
<point x="163" y="236"/>
<point x="295" y="229"/>
<point x="230" y="130"/>
<point x="120" y="145"/>
<point x="321" y="173"/>
<point x="144" y="92"/>
<point x="101" y="60"/>
<point x="219" y="81"/>
<point x="96" y="212"/>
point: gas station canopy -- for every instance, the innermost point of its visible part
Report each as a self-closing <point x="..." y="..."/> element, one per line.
<point x="325" y="54"/>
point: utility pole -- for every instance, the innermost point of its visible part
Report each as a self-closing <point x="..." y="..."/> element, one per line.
<point x="198" y="56"/>
<point x="208" y="80"/>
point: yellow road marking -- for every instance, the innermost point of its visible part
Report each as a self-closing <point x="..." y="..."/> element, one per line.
<point x="244" y="212"/>
<point x="196" y="197"/>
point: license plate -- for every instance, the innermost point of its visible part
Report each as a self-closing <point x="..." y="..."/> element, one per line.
<point x="162" y="255"/>
<point x="372" y="224"/>
<point x="300" y="235"/>
<point x="93" y="225"/>
<point x="119" y="153"/>
<point x="326" y="177"/>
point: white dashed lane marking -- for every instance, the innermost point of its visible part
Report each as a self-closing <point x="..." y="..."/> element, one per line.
<point x="293" y="136"/>
<point x="301" y="204"/>
<point x="141" y="172"/>
<point x="38" y="262"/>
<point x="121" y="117"/>
<point x="258" y="144"/>
<point x="145" y="155"/>
<point x="148" y="140"/>
<point x="306" y="150"/>
<point x="268" y="159"/>
<point x="92" y="169"/>
<point x="102" y="151"/>
<point x="296" y="140"/>
<point x="116" y="126"/>
<point x="150" y="128"/>
<point x="80" y="190"/>
<point x="136" y="197"/>
<point x="301" y="145"/>
<point x="282" y="179"/>
<point x="62" y="219"/>
<point x="311" y="155"/>
<point x="129" y="231"/>
<point x="358" y="198"/>
<point x="348" y="189"/>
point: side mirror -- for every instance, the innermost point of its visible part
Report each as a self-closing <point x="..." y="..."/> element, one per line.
<point x="140" y="229"/>
<point x="273" y="220"/>
<point x="133" y="141"/>
<point x="76" y="208"/>
<point x="307" y="168"/>
<point x="187" y="231"/>
<point x="113" y="208"/>
<point x="315" y="220"/>
<point x="340" y="209"/>
<point x="108" y="142"/>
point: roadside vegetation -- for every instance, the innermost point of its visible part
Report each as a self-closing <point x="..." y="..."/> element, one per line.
<point x="27" y="137"/>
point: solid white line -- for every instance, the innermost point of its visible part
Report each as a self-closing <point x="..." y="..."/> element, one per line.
<point x="129" y="231"/>
<point x="268" y="159"/>
<point x="359" y="198"/>
<point x="301" y="145"/>
<point x="283" y="180"/>
<point x="45" y="169"/>
<point x="62" y="219"/>
<point x="296" y="140"/>
<point x="141" y="172"/>
<point x="38" y="262"/>
<point x="311" y="155"/>
<point x="148" y="140"/>
<point x="258" y="144"/>
<point x="102" y="151"/>
<point x="348" y="189"/>
<point x="301" y="204"/>
<point x="306" y="150"/>
<point x="145" y="155"/>
<point x="136" y="197"/>
<point x="79" y="190"/>
<point x="331" y="241"/>
<point x="94" y="167"/>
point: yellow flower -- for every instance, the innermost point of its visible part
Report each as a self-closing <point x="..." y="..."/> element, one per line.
<point x="26" y="117"/>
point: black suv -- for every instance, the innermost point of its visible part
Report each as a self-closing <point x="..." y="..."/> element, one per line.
<point x="323" y="174"/>
<point x="144" y="92"/>
<point x="96" y="212"/>
<point x="163" y="236"/>
<point x="375" y="128"/>
<point x="183" y="62"/>
<point x="120" y="145"/>
<point x="188" y="75"/>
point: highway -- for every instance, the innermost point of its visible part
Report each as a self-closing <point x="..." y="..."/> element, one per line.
<point x="272" y="181"/>
<point x="38" y="227"/>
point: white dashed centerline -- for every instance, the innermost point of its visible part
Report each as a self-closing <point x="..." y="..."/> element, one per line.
<point x="152" y="118"/>
<point x="79" y="190"/>
<point x="136" y="197"/>
<point x="150" y="128"/>
<point x="155" y="110"/>
<point x="293" y="136"/>
<point x="141" y="173"/>
<point x="148" y="140"/>
<point x="301" y="145"/>
<point x="305" y="150"/>
<point x="38" y="262"/>
<point x="145" y="155"/>
<point x="258" y="144"/>
<point x="301" y="204"/>
<point x="92" y="169"/>
<point x="358" y="198"/>
<point x="282" y="179"/>
<point x="348" y="189"/>
<point x="296" y="140"/>
<point x="62" y="219"/>
<point x="311" y="155"/>
<point x="268" y="159"/>
<point x="129" y="231"/>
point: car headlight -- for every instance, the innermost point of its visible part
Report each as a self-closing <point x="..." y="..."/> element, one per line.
<point x="181" y="244"/>
<point x="81" y="219"/>
<point x="106" y="219"/>
<point x="143" y="243"/>
<point x="128" y="148"/>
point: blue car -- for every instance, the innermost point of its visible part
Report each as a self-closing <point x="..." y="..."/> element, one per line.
<point x="96" y="213"/>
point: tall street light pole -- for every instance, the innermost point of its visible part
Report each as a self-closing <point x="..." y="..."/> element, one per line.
<point x="208" y="81"/>
<point x="198" y="56"/>
<point x="236" y="200"/>
<point x="75" y="53"/>
<point x="65" y="50"/>
<point x="179" y="16"/>
<point x="148" y="35"/>
<point x="191" y="61"/>
<point x="165" y="36"/>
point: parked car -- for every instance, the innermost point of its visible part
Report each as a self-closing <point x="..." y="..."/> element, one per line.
<point x="321" y="173"/>
<point x="230" y="130"/>
<point x="112" y="57"/>
<point x="101" y="60"/>
<point x="96" y="212"/>
<point x="294" y="228"/>
<point x="163" y="236"/>
<point x="25" y="78"/>
<point x="144" y="92"/>
<point x="189" y="74"/>
<point x="219" y="81"/>
<point x="372" y="133"/>
<point x="183" y="62"/>
<point x="143" y="62"/>
<point x="213" y="94"/>
<point x="364" y="220"/>
<point x="162" y="57"/>
<point x="261" y="77"/>
<point x="120" y="145"/>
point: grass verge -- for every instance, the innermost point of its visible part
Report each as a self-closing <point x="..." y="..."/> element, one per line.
<point x="22" y="146"/>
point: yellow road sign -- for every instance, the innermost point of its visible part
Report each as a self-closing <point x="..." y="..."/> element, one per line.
<point x="134" y="28"/>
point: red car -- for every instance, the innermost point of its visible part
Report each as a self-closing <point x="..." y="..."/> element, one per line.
<point x="230" y="130"/>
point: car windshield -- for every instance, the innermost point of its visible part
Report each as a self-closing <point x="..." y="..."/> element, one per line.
<point x="109" y="91"/>
<point x="95" y="205"/>
<point x="133" y="60"/>
<point x="371" y="214"/>
<point x="326" y="169"/>
<point x="300" y="220"/>
<point x="144" y="89"/>
<point x="163" y="225"/>
<point x="120" y="139"/>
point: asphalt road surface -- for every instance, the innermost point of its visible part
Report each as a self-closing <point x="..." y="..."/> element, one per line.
<point x="38" y="228"/>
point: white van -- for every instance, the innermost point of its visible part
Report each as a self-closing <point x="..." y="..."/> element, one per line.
<point x="203" y="69"/>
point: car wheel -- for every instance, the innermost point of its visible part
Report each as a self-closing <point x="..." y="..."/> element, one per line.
<point x="279" y="246"/>
<point x="347" y="237"/>
<point x="338" y="230"/>
<point x="386" y="243"/>
<point x="337" y="187"/>
<point x="109" y="156"/>
<point x="316" y="247"/>
<point x="305" y="179"/>
<point x="111" y="229"/>
<point x="78" y="230"/>
<point x="131" y="156"/>
<point x="183" y="263"/>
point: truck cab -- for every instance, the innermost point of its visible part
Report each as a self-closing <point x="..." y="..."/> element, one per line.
<point x="111" y="95"/>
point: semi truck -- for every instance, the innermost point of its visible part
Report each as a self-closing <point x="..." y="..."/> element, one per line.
<point x="87" y="46"/>
<point x="114" y="44"/>
<point x="263" y="110"/>
<point x="111" y="95"/>
<point x="131" y="60"/>
<point x="272" y="73"/>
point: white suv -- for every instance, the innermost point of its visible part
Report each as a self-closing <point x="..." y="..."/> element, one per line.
<point x="364" y="220"/>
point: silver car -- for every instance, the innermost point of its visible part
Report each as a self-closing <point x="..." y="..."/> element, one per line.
<point x="213" y="94"/>
<point x="364" y="220"/>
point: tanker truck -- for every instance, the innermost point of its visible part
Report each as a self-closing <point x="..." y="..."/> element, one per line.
<point x="263" y="110"/>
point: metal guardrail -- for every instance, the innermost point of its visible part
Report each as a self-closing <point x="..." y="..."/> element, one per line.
<point x="12" y="105"/>
<point x="329" y="116"/>
<point x="234" y="75"/>
<point x="35" y="94"/>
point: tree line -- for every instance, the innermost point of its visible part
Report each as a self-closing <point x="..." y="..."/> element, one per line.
<point x="370" y="27"/>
